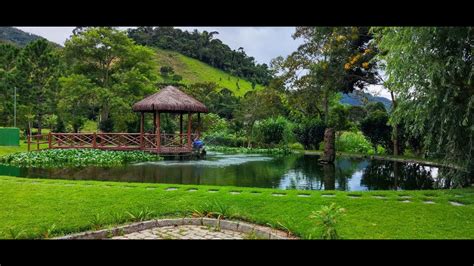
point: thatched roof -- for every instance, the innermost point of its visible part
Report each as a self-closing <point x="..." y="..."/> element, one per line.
<point x="170" y="99"/>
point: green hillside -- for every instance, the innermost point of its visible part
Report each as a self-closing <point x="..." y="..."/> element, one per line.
<point x="195" y="71"/>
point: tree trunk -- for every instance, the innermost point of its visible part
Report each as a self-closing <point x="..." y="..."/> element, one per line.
<point x="396" y="145"/>
<point x="326" y="107"/>
<point x="329" y="146"/>
<point x="395" y="140"/>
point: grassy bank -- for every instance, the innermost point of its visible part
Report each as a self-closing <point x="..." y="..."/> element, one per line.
<point x="35" y="208"/>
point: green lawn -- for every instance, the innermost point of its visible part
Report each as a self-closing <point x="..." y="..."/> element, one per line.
<point x="32" y="206"/>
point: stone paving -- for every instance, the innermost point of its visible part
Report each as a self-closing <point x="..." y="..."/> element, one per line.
<point x="185" y="232"/>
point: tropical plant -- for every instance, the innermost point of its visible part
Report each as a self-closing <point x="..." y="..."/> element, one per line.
<point x="328" y="217"/>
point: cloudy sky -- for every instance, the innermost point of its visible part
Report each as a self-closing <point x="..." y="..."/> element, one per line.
<point x="263" y="43"/>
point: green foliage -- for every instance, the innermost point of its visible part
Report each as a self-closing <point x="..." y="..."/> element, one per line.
<point x="76" y="158"/>
<point x="328" y="218"/>
<point x="194" y="71"/>
<point x="115" y="72"/>
<point x="214" y="124"/>
<point x="204" y="47"/>
<point x="375" y="106"/>
<point x="214" y="209"/>
<point x="430" y="70"/>
<point x="258" y="105"/>
<point x="224" y="139"/>
<point x="140" y="215"/>
<point x="356" y="114"/>
<point x="353" y="142"/>
<point x="273" y="131"/>
<point x="310" y="133"/>
<point x="8" y="81"/>
<point x="275" y="151"/>
<point x="38" y="69"/>
<point x="17" y="37"/>
<point x="338" y="117"/>
<point x="296" y="146"/>
<point x="166" y="71"/>
<point x="375" y="127"/>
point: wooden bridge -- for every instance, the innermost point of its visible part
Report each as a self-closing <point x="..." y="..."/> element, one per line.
<point x="167" y="100"/>
<point x="167" y="144"/>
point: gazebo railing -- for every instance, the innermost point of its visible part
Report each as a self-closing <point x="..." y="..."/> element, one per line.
<point x="169" y="143"/>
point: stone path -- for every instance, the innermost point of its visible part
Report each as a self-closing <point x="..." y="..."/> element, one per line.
<point x="184" y="232"/>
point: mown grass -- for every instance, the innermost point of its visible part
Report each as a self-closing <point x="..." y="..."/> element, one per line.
<point x="33" y="208"/>
<point x="195" y="71"/>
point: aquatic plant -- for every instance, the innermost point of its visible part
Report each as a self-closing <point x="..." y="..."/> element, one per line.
<point x="328" y="217"/>
<point x="76" y="158"/>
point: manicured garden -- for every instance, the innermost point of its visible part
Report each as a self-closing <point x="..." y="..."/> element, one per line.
<point x="38" y="208"/>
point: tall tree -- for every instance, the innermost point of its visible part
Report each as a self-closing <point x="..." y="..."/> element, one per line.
<point x="431" y="71"/>
<point x="38" y="71"/>
<point x="8" y="61"/>
<point x="330" y="60"/>
<point x="121" y="71"/>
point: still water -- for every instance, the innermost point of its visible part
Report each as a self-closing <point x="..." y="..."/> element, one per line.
<point x="246" y="170"/>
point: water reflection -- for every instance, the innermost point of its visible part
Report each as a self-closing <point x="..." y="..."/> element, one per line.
<point x="290" y="172"/>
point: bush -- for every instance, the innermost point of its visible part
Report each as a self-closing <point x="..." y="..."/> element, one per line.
<point x="353" y="142"/>
<point x="310" y="133"/>
<point x="296" y="146"/>
<point x="273" y="131"/>
<point x="224" y="139"/>
<point x="106" y="125"/>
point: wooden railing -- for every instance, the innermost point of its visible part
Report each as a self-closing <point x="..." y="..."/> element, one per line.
<point x="168" y="143"/>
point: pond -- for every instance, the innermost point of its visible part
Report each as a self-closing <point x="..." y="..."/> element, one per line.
<point x="253" y="170"/>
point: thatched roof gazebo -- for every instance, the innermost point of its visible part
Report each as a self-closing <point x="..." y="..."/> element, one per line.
<point x="169" y="100"/>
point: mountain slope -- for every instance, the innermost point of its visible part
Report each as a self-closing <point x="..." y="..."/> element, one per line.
<point x="16" y="36"/>
<point x="361" y="99"/>
<point x="195" y="71"/>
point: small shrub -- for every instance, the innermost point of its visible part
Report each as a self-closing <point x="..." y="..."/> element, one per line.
<point x="296" y="146"/>
<point x="328" y="217"/>
<point x="142" y="215"/>
<point x="97" y="221"/>
<point x="214" y="209"/>
<point x="15" y="233"/>
<point x="274" y="131"/>
<point x="353" y="142"/>
<point x="49" y="231"/>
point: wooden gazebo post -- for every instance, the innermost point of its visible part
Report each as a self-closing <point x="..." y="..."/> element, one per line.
<point x="181" y="128"/>
<point x="199" y="126"/>
<point x="189" y="129"/>
<point x="158" y="136"/>
<point x="142" y="129"/>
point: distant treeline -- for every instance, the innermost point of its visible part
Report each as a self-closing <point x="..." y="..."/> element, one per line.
<point x="204" y="47"/>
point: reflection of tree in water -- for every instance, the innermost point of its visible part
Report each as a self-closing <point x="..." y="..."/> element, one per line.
<point x="380" y="175"/>
<point x="452" y="178"/>
<point x="309" y="174"/>
<point x="345" y="169"/>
